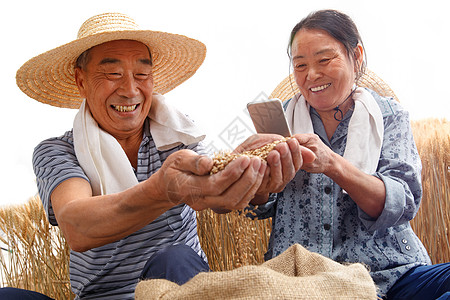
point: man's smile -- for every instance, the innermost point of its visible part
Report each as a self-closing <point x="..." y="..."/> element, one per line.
<point x="124" y="108"/>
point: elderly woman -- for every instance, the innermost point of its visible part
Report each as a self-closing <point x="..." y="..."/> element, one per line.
<point x="353" y="203"/>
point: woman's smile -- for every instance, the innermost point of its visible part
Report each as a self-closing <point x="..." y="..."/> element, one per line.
<point x="320" y="88"/>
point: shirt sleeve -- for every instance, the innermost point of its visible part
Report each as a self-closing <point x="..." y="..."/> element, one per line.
<point x="54" y="161"/>
<point x="199" y="148"/>
<point x="263" y="211"/>
<point x="400" y="170"/>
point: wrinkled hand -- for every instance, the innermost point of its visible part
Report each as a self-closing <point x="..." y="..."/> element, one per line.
<point x="324" y="155"/>
<point x="283" y="161"/>
<point x="184" y="178"/>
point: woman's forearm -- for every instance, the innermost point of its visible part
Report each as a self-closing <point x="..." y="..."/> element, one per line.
<point x="366" y="190"/>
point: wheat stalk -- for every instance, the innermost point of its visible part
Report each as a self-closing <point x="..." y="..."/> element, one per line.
<point x="36" y="256"/>
<point x="432" y="221"/>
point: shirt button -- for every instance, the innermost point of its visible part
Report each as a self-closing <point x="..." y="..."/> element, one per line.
<point x="404" y="241"/>
<point x="326" y="226"/>
<point x="327" y="190"/>
<point x="408" y="247"/>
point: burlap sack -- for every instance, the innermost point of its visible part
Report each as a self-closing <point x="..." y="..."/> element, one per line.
<point x="295" y="274"/>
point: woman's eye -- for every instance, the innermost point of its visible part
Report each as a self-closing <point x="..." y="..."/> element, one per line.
<point x="325" y="60"/>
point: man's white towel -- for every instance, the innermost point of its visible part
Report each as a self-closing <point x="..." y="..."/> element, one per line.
<point x="103" y="159"/>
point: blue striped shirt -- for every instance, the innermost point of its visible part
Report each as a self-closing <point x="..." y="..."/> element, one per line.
<point x="112" y="271"/>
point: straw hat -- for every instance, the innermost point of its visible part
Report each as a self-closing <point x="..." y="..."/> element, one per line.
<point x="287" y="88"/>
<point x="49" y="77"/>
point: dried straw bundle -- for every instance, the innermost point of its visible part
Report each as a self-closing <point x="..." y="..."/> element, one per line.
<point x="36" y="255"/>
<point x="432" y="222"/>
<point x="232" y="240"/>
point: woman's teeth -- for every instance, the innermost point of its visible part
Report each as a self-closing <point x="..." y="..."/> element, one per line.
<point x="320" y="88"/>
<point x="122" y="108"/>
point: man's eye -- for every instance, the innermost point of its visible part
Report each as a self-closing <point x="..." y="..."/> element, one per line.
<point x="142" y="75"/>
<point x="113" y="75"/>
<point x="300" y="66"/>
<point x="325" y="60"/>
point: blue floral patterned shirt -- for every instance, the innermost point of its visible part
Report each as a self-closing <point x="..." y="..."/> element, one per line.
<point x="314" y="212"/>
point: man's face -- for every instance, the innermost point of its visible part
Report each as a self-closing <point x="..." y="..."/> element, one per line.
<point x="118" y="84"/>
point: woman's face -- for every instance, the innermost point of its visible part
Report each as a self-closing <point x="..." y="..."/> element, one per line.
<point x="322" y="69"/>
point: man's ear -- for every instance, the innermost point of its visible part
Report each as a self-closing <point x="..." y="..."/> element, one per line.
<point x="80" y="80"/>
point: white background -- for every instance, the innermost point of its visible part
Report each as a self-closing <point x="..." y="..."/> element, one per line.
<point x="407" y="44"/>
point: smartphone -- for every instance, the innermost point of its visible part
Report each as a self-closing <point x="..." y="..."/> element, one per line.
<point x="268" y="117"/>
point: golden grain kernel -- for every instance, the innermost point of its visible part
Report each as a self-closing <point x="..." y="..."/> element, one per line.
<point x="222" y="159"/>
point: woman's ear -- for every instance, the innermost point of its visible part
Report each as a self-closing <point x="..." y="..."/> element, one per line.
<point x="79" y="80"/>
<point x="359" y="57"/>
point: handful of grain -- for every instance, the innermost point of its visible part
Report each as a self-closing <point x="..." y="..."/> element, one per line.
<point x="222" y="159"/>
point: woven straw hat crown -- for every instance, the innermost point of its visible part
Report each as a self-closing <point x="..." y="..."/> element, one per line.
<point x="49" y="77"/>
<point x="106" y="23"/>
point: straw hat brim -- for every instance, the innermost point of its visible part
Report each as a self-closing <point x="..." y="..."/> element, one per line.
<point x="287" y="88"/>
<point x="49" y="77"/>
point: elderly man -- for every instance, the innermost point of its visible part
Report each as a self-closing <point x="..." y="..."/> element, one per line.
<point x="124" y="183"/>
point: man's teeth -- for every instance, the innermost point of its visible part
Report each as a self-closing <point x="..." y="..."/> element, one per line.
<point x="319" y="88"/>
<point x="122" y="108"/>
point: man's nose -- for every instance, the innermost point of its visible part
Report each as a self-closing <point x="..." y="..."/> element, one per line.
<point x="128" y="87"/>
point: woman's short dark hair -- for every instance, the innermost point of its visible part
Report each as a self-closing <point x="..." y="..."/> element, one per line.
<point x="339" y="26"/>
